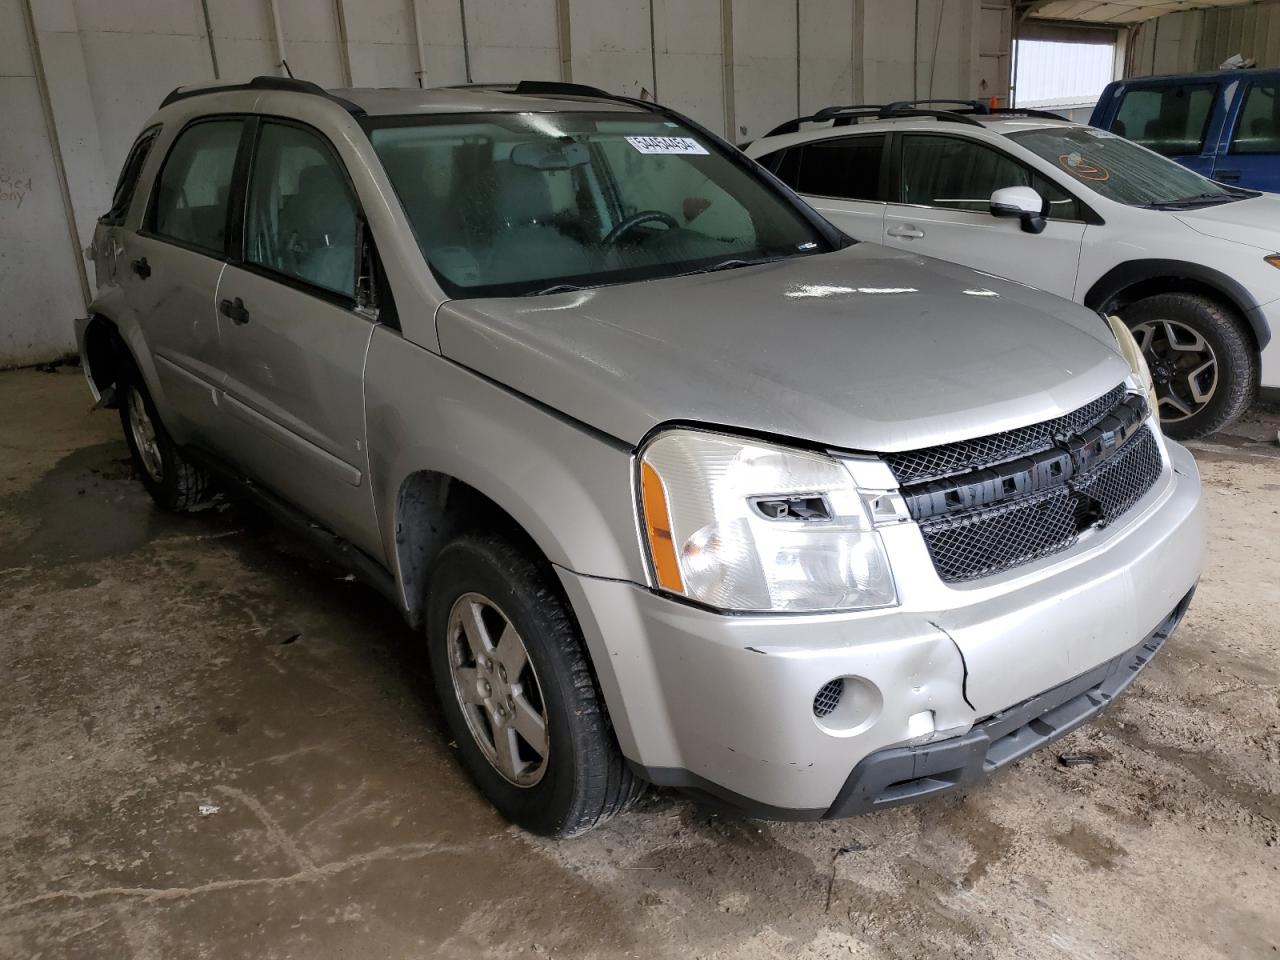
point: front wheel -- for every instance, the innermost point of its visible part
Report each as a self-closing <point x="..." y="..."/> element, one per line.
<point x="518" y="693"/>
<point x="1202" y="361"/>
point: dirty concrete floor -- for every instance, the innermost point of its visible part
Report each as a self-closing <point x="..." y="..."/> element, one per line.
<point x="210" y="747"/>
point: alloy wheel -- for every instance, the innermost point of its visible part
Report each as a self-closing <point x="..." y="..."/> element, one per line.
<point x="497" y="689"/>
<point x="1183" y="366"/>
<point x="144" y="435"/>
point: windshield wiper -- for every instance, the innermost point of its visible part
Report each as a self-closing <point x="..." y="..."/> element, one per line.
<point x="733" y="263"/>
<point x="1198" y="199"/>
<point x="555" y="288"/>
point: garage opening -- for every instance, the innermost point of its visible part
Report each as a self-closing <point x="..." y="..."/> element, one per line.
<point x="1064" y="68"/>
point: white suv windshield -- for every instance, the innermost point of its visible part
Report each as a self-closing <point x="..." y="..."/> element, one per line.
<point x="1122" y="171"/>
<point x="512" y="204"/>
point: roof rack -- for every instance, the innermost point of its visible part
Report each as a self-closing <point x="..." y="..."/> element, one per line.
<point x="263" y="83"/>
<point x="957" y="111"/>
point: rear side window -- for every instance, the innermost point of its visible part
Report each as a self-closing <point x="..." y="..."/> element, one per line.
<point x="956" y="174"/>
<point x="190" y="205"/>
<point x="302" y="213"/>
<point x="127" y="185"/>
<point x="1258" y="130"/>
<point x="845" y="169"/>
<point x="1169" y="120"/>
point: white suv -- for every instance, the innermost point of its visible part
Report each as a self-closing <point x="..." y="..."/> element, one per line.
<point x="1188" y="263"/>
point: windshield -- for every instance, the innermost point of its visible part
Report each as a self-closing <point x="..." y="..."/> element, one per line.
<point x="1122" y="171"/>
<point x="512" y="204"/>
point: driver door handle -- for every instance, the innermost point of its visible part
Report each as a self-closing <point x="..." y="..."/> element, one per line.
<point x="907" y="232"/>
<point x="235" y="310"/>
<point x="140" y="267"/>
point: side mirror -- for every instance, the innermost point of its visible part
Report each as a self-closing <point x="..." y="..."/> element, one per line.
<point x="1023" y="203"/>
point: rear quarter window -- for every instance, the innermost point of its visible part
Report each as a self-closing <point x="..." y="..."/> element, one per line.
<point x="127" y="184"/>
<point x="847" y="168"/>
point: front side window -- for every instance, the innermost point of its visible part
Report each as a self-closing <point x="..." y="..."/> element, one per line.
<point x="1258" y="129"/>
<point x="191" y="196"/>
<point x="516" y="204"/>
<point x="127" y="185"/>
<point x="957" y="174"/>
<point x="1169" y="120"/>
<point x="845" y="169"/>
<point x="301" y="219"/>
<point x="1123" y="171"/>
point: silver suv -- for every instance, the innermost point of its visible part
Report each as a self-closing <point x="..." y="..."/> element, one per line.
<point x="681" y="484"/>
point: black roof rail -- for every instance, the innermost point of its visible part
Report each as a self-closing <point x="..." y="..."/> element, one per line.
<point x="970" y="106"/>
<point x="984" y="109"/>
<point x="557" y="88"/>
<point x="263" y="83"/>
<point x="958" y="111"/>
<point x="1028" y="112"/>
<point x="844" y="116"/>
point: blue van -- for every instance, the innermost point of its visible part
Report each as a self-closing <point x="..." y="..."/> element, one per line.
<point x="1223" y="125"/>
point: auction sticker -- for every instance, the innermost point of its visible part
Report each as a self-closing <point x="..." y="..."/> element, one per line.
<point x="677" y="145"/>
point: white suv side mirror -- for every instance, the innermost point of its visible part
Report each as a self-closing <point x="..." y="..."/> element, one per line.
<point x="1021" y="202"/>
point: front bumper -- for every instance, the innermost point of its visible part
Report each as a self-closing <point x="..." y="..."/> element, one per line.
<point x="724" y="705"/>
<point x="898" y="775"/>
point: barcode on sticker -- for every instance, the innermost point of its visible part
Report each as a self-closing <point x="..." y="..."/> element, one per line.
<point x="686" y="145"/>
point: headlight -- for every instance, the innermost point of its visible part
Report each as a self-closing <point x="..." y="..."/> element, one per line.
<point x="740" y="524"/>
<point x="1132" y="353"/>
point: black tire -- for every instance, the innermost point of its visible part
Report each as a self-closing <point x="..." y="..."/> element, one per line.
<point x="584" y="779"/>
<point x="180" y="484"/>
<point x="1232" y="348"/>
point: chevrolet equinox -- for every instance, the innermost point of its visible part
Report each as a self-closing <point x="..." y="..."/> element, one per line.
<point x="681" y="484"/>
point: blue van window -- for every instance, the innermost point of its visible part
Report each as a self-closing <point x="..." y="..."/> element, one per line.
<point x="1258" y="129"/>
<point x="1170" y="120"/>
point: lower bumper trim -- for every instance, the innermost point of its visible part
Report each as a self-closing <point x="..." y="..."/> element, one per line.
<point x="898" y="775"/>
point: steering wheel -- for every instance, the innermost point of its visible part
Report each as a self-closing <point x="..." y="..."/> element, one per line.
<point x="644" y="216"/>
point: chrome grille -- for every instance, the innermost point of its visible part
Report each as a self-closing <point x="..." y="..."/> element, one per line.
<point x="988" y="540"/>
<point x="933" y="463"/>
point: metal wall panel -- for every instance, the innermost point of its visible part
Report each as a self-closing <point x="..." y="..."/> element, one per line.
<point x="739" y="66"/>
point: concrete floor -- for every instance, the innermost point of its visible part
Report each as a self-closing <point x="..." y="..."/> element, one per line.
<point x="213" y="747"/>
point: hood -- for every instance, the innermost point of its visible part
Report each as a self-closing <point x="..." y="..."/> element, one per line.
<point x="1254" y="222"/>
<point x="863" y="349"/>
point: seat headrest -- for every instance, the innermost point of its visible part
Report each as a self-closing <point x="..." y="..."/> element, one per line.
<point x="522" y="194"/>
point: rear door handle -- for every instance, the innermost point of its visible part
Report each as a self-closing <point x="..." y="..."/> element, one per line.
<point x="1227" y="176"/>
<point x="235" y="310"/>
<point x="906" y="232"/>
<point x="141" y="267"/>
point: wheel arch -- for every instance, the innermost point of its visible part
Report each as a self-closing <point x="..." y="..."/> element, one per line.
<point x="111" y="342"/>
<point x="1135" y="279"/>
<point x="431" y="509"/>
<point x="103" y="353"/>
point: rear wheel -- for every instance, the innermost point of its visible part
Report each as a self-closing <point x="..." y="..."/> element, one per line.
<point x="518" y="693"/>
<point x="173" y="482"/>
<point x="1202" y="361"/>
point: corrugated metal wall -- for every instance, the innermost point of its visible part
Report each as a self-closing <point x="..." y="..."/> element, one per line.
<point x="79" y="77"/>
<point x="1202" y="39"/>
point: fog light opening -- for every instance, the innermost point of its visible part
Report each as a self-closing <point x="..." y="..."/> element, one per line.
<point x="845" y="706"/>
<point x="828" y="698"/>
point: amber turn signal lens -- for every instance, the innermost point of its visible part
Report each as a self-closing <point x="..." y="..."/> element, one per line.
<point x="1273" y="259"/>
<point x="657" y="525"/>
